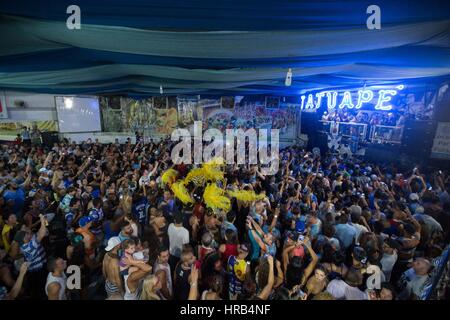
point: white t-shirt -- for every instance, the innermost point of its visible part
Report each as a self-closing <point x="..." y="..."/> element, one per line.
<point x="340" y="290"/>
<point x="387" y="262"/>
<point x="177" y="237"/>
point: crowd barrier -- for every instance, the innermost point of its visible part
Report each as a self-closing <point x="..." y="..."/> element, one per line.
<point x="377" y="133"/>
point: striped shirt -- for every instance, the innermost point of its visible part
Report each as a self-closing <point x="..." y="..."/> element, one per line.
<point x="34" y="254"/>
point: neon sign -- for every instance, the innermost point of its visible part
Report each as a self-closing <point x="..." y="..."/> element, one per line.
<point x="383" y="97"/>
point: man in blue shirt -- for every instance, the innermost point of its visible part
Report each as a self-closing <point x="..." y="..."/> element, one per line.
<point x="345" y="232"/>
<point x="139" y="208"/>
<point x="16" y="194"/>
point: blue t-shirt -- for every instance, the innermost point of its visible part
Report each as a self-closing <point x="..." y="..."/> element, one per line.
<point x="139" y="210"/>
<point x="300" y="224"/>
<point x="256" y="250"/>
<point x="345" y="233"/>
<point x="18" y="196"/>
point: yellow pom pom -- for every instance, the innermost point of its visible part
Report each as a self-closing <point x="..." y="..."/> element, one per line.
<point x="245" y="195"/>
<point x="180" y="192"/>
<point x="169" y="176"/>
<point x="215" y="162"/>
<point x="211" y="169"/>
<point x="212" y="174"/>
<point x="214" y="198"/>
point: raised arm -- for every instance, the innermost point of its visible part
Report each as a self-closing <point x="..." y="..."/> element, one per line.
<point x="265" y="293"/>
<point x="286" y="252"/>
<point x="256" y="237"/>
<point x="275" y="219"/>
<point x="19" y="282"/>
<point x="193" y="282"/>
<point x="42" y="232"/>
<point x="312" y="265"/>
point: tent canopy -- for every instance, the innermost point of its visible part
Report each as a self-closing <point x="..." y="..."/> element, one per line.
<point x="220" y="47"/>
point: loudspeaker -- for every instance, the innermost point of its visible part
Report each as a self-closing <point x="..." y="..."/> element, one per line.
<point x="418" y="138"/>
<point x="442" y="108"/>
<point x="310" y="123"/>
<point x="49" y="138"/>
<point x="318" y="140"/>
<point x="382" y="153"/>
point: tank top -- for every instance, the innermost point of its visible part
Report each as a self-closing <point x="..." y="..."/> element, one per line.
<point x="181" y="285"/>
<point x="62" y="283"/>
<point x="166" y="268"/>
<point x="128" y="294"/>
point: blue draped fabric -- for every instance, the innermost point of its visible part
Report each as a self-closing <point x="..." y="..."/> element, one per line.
<point x="220" y="47"/>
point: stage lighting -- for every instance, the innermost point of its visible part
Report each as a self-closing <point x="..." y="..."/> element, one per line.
<point x="68" y="103"/>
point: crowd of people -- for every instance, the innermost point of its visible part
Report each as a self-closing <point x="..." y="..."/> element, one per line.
<point x="327" y="228"/>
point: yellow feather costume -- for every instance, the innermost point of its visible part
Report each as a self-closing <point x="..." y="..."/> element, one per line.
<point x="169" y="176"/>
<point x="245" y="195"/>
<point x="214" y="198"/>
<point x="180" y="191"/>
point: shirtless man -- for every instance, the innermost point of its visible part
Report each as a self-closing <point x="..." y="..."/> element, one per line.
<point x="113" y="284"/>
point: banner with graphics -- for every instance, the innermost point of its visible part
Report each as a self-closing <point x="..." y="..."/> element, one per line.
<point x="187" y="110"/>
<point x="10" y="128"/>
<point x="3" y="110"/>
<point x="138" y="115"/>
<point x="166" y="120"/>
<point x="253" y="115"/>
<point x="441" y="143"/>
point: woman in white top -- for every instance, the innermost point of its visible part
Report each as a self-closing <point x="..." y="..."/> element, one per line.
<point x="134" y="280"/>
<point x="216" y="288"/>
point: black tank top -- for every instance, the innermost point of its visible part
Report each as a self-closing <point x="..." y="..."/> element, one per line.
<point x="181" y="284"/>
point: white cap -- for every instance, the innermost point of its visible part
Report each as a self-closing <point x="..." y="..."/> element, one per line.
<point x="43" y="170"/>
<point x="112" y="243"/>
<point x="419" y="210"/>
<point x="414" y="197"/>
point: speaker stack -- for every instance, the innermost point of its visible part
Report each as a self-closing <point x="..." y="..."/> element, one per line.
<point x="49" y="138"/>
<point x="311" y="126"/>
<point x="418" y="138"/>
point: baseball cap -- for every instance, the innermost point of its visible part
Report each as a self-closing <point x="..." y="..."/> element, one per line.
<point x="414" y="197"/>
<point x="360" y="254"/>
<point x="112" y="243"/>
<point x="419" y="210"/>
<point x="84" y="221"/>
<point x="43" y="170"/>
<point x="243" y="247"/>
